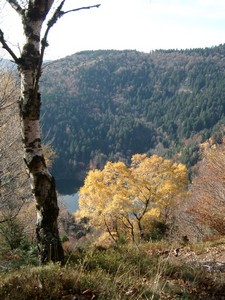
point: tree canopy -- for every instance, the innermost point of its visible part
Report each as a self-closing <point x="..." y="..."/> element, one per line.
<point x="124" y="201"/>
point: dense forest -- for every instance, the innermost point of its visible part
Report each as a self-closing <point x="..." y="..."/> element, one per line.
<point x="109" y="105"/>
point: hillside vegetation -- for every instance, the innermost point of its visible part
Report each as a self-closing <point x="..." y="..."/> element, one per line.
<point x="149" y="271"/>
<point x="109" y="105"/>
<point x="143" y="230"/>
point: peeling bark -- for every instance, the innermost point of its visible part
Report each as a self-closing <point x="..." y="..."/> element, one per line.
<point x="42" y="182"/>
<point x="29" y="66"/>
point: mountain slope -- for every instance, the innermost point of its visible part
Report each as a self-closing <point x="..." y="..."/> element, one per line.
<point x="108" y="105"/>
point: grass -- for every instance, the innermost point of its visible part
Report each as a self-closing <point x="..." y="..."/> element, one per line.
<point x="128" y="272"/>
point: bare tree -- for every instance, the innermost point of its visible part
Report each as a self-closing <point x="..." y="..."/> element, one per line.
<point x="207" y="193"/>
<point x="13" y="178"/>
<point x="33" y="14"/>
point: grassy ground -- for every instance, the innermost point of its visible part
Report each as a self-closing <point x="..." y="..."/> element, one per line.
<point x="147" y="271"/>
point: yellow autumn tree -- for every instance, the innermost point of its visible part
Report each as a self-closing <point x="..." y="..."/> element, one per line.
<point x="123" y="200"/>
<point x="158" y="181"/>
<point x="104" y="198"/>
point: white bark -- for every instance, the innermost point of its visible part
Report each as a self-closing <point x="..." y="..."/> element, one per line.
<point x="43" y="185"/>
<point x="33" y="15"/>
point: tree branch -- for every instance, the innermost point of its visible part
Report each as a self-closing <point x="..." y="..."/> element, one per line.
<point x="81" y="8"/>
<point x="16" y="6"/>
<point x="109" y="231"/>
<point x="7" y="219"/>
<point x="56" y="16"/>
<point x="6" y="47"/>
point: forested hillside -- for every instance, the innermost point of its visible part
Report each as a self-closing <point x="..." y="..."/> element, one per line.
<point x="104" y="105"/>
<point x="109" y="105"/>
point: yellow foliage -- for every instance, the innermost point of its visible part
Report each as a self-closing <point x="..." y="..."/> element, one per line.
<point x="123" y="199"/>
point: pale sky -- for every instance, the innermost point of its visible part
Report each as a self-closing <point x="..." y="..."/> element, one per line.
<point x="143" y="25"/>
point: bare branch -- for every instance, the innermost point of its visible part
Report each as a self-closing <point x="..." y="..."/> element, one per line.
<point x="6" y="47"/>
<point x="80" y="8"/>
<point x="56" y="16"/>
<point x="14" y="215"/>
<point x="16" y="6"/>
<point x="7" y="105"/>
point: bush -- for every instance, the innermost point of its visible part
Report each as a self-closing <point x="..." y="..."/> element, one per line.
<point x="158" y="231"/>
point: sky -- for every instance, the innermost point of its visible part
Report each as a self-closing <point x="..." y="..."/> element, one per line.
<point x="143" y="25"/>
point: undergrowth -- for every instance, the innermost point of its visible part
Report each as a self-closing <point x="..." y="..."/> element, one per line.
<point x="127" y="272"/>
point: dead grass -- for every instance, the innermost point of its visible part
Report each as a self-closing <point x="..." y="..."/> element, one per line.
<point x="149" y="271"/>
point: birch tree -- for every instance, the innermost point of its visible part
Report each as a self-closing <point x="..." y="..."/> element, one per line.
<point x="33" y="14"/>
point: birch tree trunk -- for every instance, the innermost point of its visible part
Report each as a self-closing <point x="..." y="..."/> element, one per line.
<point x="33" y="14"/>
<point x="42" y="182"/>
